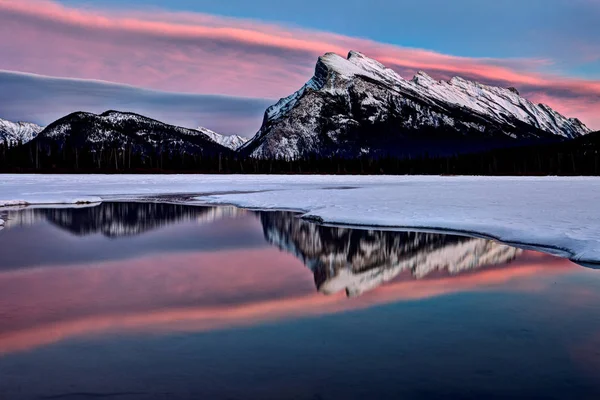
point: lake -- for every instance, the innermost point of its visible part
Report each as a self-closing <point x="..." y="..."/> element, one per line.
<point x="161" y="301"/>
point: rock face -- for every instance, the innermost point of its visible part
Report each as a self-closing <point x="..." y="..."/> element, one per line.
<point x="359" y="260"/>
<point x="355" y="106"/>
<point x="18" y="132"/>
<point x="118" y="129"/>
<point x="232" y="142"/>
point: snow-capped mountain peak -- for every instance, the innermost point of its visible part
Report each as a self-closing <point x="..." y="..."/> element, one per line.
<point x="422" y="79"/>
<point x="350" y="100"/>
<point x="374" y="67"/>
<point x="15" y="132"/>
<point x="496" y="102"/>
<point x="232" y="141"/>
<point x="356" y="64"/>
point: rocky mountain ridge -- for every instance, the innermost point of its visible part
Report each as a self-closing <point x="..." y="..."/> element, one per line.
<point x="352" y="107"/>
<point x="356" y="106"/>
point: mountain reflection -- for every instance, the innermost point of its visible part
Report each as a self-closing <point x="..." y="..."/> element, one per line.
<point x="359" y="260"/>
<point x="120" y="219"/>
<point x="354" y="260"/>
<point x="205" y="286"/>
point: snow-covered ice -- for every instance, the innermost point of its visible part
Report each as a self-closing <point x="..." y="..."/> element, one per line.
<point x="553" y="212"/>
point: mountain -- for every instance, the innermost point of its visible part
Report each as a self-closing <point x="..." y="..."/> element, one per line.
<point x="232" y="142"/>
<point x="358" y="260"/>
<point x="15" y="132"/>
<point x="356" y="106"/>
<point x="114" y="129"/>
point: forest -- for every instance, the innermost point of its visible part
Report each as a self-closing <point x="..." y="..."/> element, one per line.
<point x="579" y="156"/>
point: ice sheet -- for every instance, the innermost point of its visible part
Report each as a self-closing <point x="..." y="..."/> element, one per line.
<point x="561" y="213"/>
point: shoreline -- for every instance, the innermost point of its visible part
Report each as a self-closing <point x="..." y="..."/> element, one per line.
<point x="559" y="216"/>
<point x="550" y="249"/>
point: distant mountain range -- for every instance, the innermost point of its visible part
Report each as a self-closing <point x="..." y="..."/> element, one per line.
<point x="352" y="107"/>
<point x="232" y="142"/>
<point x="145" y="135"/>
<point x="113" y="127"/>
<point x="18" y="132"/>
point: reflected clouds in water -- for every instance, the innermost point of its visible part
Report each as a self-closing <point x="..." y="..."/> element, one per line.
<point x="167" y="267"/>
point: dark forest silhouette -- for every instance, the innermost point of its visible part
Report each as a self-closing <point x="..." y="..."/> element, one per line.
<point x="579" y="156"/>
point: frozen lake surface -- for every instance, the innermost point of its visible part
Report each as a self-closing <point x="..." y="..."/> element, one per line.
<point x="562" y="214"/>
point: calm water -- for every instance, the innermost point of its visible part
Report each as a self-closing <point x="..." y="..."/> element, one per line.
<point x="159" y="301"/>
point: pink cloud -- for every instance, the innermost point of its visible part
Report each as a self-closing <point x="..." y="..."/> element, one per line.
<point x="196" y="53"/>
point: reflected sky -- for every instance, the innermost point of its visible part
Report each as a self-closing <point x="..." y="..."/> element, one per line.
<point x="64" y="236"/>
<point x="176" y="292"/>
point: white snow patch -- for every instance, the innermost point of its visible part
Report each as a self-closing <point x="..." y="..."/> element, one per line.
<point x="233" y="141"/>
<point x="50" y="198"/>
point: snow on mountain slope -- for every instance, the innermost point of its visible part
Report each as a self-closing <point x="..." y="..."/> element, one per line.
<point x="356" y="105"/>
<point x="115" y="128"/>
<point x="14" y="132"/>
<point x="233" y="141"/>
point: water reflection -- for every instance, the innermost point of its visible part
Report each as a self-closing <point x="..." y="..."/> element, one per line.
<point x="139" y="291"/>
<point x="354" y="260"/>
<point x="119" y="219"/>
<point x="357" y="260"/>
<point x="227" y="282"/>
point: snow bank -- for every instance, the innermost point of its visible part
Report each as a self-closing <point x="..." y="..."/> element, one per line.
<point x="36" y="200"/>
<point x="560" y="213"/>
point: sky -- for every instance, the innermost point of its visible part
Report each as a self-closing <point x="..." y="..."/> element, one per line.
<point x="219" y="64"/>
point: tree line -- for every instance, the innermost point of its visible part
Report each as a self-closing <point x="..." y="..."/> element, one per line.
<point x="576" y="157"/>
